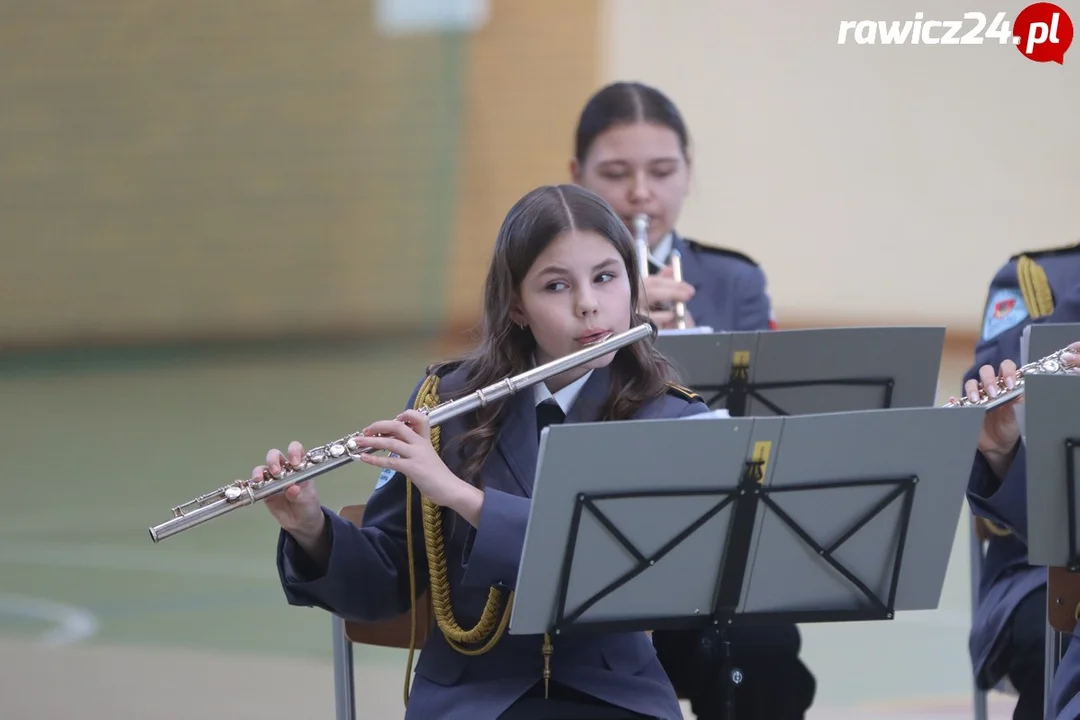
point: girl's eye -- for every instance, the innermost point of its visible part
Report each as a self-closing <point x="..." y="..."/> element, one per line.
<point x="605" y="277"/>
<point x="555" y="286"/>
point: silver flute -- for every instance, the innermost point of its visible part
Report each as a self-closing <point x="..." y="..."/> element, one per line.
<point x="1052" y="364"/>
<point x="323" y="459"/>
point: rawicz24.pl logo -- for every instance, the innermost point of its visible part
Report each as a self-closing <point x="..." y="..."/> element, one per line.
<point x="1042" y="32"/>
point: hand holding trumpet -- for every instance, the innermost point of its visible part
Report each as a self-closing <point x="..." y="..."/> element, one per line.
<point x="660" y="293"/>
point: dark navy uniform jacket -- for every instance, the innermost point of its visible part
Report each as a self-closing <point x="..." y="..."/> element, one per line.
<point x="367" y="577"/>
<point x="729" y="287"/>
<point x="1014" y="302"/>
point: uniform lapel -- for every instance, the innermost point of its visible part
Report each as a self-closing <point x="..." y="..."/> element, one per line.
<point x="517" y="442"/>
<point x="518" y="446"/>
<point x="591" y="398"/>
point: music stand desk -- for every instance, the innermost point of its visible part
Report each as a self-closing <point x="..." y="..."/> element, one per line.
<point x="817" y="518"/>
<point x="797" y="372"/>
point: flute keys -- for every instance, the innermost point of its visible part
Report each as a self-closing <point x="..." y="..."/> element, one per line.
<point x="317" y="456"/>
<point x="337" y="450"/>
<point x="233" y="493"/>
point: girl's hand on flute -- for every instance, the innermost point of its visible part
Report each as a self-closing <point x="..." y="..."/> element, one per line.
<point x="298" y="509"/>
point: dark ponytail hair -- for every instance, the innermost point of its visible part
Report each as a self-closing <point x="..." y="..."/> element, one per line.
<point x="639" y="373"/>
<point x="624" y="103"/>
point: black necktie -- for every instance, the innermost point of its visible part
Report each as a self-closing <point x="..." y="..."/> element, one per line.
<point x="548" y="413"/>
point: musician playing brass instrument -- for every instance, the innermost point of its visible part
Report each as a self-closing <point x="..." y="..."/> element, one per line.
<point x="1009" y="625"/>
<point x="632" y="149"/>
<point x="562" y="278"/>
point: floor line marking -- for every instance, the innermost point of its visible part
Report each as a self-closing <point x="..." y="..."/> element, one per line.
<point x="71" y="624"/>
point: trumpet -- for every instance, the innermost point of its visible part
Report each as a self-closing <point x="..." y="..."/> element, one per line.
<point x="641" y="242"/>
<point x="336" y="454"/>
<point x="676" y="273"/>
<point x="1052" y="364"/>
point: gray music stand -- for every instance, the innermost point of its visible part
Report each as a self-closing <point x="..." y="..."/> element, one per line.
<point x="1053" y="456"/>
<point x="797" y="372"/>
<point x="1038" y="341"/>
<point x="816" y="518"/>
<point x="1052" y="437"/>
<point x="1050" y="433"/>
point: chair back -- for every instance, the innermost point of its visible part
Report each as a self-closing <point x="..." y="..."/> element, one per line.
<point x="1063" y="599"/>
<point x="392" y="632"/>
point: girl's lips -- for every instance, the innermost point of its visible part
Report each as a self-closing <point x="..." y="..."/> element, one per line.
<point x="593" y="338"/>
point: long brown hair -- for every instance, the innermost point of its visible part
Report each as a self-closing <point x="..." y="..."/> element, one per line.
<point x="639" y="371"/>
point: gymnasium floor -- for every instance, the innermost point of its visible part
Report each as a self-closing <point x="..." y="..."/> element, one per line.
<point x="98" y="622"/>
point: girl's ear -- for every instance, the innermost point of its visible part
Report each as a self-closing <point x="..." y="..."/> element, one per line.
<point x="517" y="313"/>
<point x="575" y="171"/>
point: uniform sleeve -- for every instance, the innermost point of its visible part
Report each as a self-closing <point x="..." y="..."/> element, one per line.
<point x="500" y="535"/>
<point x="367" y="577"/>
<point x="754" y="307"/>
<point x="1064" y="700"/>
<point x="1004" y="500"/>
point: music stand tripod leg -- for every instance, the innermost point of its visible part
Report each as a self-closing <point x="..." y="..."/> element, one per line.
<point x="1050" y="668"/>
<point x="733" y="676"/>
<point x="344" y="689"/>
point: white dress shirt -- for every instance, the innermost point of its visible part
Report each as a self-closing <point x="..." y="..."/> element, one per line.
<point x="564" y="398"/>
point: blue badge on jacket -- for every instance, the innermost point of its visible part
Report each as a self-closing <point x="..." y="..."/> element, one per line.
<point x="1005" y="310"/>
<point x="386" y="475"/>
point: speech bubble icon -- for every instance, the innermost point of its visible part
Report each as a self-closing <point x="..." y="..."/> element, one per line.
<point x="1043" y="32"/>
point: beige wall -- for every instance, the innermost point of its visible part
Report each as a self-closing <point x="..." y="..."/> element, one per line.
<point x="530" y="69"/>
<point x="874" y="183"/>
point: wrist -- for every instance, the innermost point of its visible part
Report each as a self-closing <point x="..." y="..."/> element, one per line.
<point x="999" y="459"/>
<point x="467" y="501"/>
<point x="310" y="533"/>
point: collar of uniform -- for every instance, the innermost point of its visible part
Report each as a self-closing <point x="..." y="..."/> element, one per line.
<point x="660" y="253"/>
<point x="563" y="398"/>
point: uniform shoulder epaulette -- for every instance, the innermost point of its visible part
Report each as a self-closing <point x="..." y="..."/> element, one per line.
<point x="718" y="250"/>
<point x="682" y="392"/>
<point x="1047" y="252"/>
<point x="443" y="368"/>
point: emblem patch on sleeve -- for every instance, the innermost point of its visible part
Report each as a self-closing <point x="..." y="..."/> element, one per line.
<point x="386" y="475"/>
<point x="1006" y="309"/>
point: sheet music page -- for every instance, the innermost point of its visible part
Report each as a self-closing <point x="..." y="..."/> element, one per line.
<point x="703" y="330"/>
<point x="712" y="415"/>
<point x="1018" y="408"/>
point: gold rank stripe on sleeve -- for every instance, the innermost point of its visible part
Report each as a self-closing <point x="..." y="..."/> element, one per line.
<point x="1035" y="288"/>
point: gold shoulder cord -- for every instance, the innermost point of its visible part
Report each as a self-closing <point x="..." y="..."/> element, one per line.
<point x="493" y="620"/>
